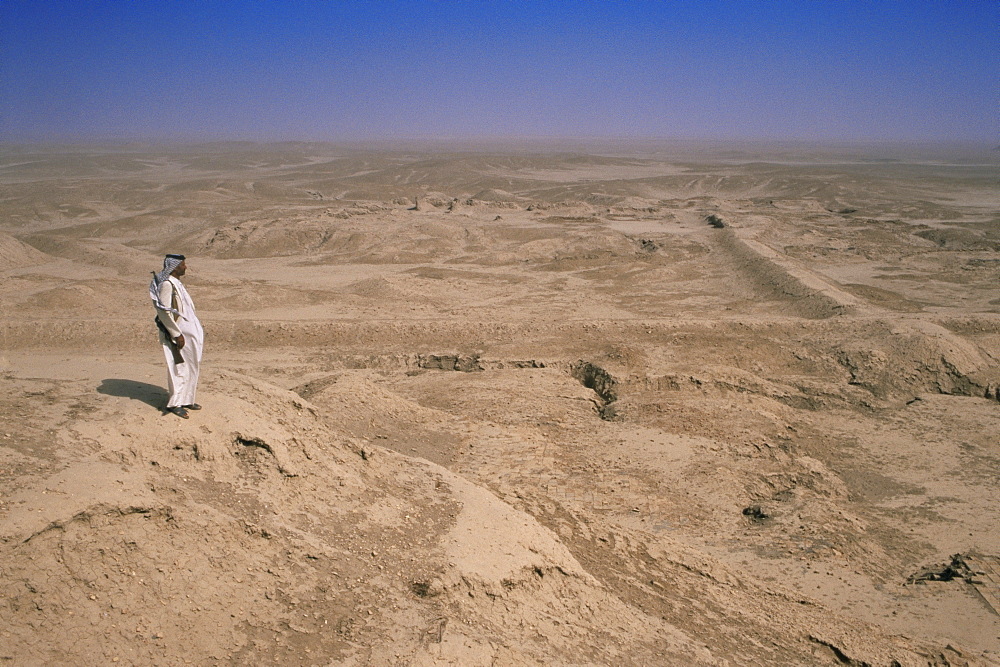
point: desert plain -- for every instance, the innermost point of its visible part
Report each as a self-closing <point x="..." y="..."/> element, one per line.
<point x="535" y="404"/>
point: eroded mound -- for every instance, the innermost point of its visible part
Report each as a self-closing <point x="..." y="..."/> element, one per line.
<point x="16" y="254"/>
<point x="253" y="533"/>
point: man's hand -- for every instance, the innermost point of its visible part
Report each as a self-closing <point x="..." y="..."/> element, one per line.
<point x="179" y="342"/>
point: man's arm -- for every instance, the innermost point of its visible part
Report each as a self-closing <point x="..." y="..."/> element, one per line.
<point x="166" y="297"/>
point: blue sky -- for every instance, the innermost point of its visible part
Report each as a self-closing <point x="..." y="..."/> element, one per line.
<point x="295" y="70"/>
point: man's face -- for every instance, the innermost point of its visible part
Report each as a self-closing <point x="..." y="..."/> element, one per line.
<point x="180" y="269"/>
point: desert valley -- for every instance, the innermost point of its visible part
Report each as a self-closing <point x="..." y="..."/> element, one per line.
<point x="644" y="404"/>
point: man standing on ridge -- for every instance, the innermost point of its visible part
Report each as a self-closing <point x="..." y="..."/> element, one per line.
<point x="181" y="334"/>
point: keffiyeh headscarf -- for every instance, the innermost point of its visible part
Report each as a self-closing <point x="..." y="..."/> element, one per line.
<point x="170" y="262"/>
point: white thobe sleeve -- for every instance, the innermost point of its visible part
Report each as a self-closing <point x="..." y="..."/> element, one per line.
<point x="166" y="297"/>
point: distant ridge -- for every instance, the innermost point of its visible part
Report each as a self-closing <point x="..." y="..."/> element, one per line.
<point x="236" y="146"/>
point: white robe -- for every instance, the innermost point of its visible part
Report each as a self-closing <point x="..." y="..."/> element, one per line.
<point x="182" y="379"/>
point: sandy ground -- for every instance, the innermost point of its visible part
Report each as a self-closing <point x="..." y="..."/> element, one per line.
<point x="647" y="405"/>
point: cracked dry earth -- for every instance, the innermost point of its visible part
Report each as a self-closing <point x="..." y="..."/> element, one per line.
<point x="660" y="406"/>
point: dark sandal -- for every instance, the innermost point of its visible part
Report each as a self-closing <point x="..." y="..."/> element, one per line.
<point x="180" y="412"/>
<point x="193" y="406"/>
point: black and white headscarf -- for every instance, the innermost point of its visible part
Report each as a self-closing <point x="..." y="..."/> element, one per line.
<point x="170" y="262"/>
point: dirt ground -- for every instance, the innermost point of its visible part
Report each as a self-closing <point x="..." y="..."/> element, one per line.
<point x="632" y="405"/>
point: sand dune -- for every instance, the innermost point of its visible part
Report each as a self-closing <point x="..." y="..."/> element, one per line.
<point x="503" y="407"/>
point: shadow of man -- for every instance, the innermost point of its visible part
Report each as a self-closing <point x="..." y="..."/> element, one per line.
<point x="149" y="394"/>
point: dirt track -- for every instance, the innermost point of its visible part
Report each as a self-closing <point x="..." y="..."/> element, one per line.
<point x="665" y="407"/>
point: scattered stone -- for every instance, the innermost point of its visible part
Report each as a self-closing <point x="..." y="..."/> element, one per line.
<point x="755" y="513"/>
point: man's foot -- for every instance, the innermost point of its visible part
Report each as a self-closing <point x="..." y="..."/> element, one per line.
<point x="180" y="412"/>
<point x="193" y="406"/>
